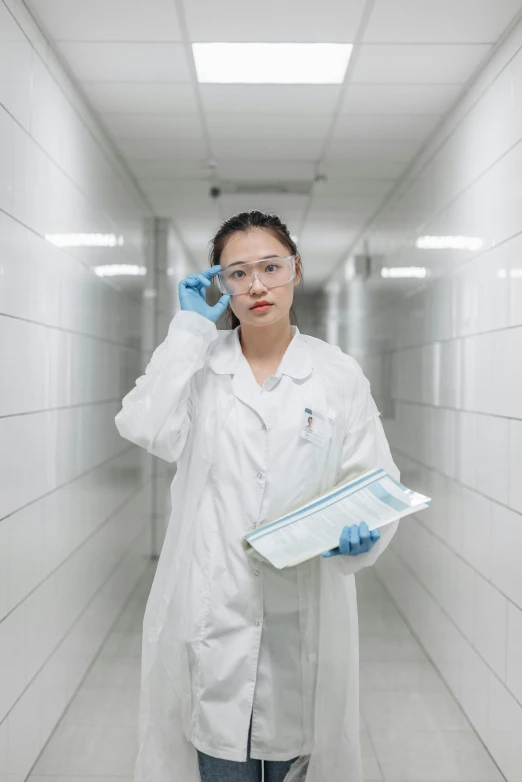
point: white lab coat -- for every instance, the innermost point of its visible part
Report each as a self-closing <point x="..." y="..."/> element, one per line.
<point x="224" y="635"/>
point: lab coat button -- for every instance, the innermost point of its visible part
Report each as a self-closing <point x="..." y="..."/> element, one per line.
<point x="259" y="475"/>
<point x="263" y="428"/>
<point x="256" y="624"/>
<point x="256" y="572"/>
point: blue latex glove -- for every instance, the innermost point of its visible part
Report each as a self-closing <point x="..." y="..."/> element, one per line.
<point x="193" y="295"/>
<point x="355" y="540"/>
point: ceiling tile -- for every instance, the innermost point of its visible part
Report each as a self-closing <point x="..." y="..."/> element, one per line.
<point x="335" y="190"/>
<point x="267" y="150"/>
<point x="270" y="98"/>
<point x="267" y="127"/>
<point x="399" y="98"/>
<point x="290" y="208"/>
<point x="179" y="187"/>
<point x="161" y="149"/>
<point x="108" y="20"/>
<point x="265" y="170"/>
<point x="341" y="219"/>
<point x="158" y="169"/>
<point x="318" y="238"/>
<point x="153" y="126"/>
<point x="291" y="203"/>
<point x="136" y="62"/>
<point x="440" y="21"/>
<point x="369" y="168"/>
<point x="346" y="204"/>
<point x="372" y="149"/>
<point x="183" y="207"/>
<point x="140" y="98"/>
<point x="384" y="126"/>
<point x="436" y="64"/>
<point x="291" y="21"/>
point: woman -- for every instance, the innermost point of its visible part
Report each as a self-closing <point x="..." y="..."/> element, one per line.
<point x="243" y="663"/>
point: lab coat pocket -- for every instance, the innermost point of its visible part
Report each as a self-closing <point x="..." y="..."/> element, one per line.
<point x="321" y="453"/>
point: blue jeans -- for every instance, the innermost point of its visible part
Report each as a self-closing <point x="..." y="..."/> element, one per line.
<point x="219" y="770"/>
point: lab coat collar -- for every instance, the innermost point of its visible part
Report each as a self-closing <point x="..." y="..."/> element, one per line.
<point x="296" y="363"/>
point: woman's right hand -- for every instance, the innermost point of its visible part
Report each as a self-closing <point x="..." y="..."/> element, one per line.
<point x="193" y="295"/>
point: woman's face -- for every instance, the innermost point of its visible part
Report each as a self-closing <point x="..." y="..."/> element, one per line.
<point x="254" y="245"/>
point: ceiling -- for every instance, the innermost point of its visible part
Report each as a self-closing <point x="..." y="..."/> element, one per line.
<point x="411" y="59"/>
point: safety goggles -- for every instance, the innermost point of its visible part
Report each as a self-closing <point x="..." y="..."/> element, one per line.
<point x="271" y="272"/>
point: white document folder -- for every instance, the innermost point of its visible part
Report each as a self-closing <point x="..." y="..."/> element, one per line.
<point x="375" y="497"/>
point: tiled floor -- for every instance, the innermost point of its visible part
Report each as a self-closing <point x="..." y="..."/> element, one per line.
<point x="412" y="729"/>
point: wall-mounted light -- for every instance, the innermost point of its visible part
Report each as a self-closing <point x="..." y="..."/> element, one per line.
<point x="120" y="269"/>
<point x="85" y="240"/>
<point x="349" y="269"/>
<point x="449" y="243"/>
<point x="401" y="272"/>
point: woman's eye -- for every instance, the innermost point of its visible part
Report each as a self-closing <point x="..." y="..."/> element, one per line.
<point x="272" y="267"/>
<point x="237" y="274"/>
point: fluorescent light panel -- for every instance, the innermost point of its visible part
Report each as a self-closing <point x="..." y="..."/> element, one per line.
<point x="271" y="63"/>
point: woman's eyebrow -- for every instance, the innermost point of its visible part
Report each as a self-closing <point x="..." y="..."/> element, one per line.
<point x="264" y="258"/>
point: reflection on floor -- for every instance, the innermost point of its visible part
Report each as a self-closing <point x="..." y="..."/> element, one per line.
<point x="412" y="729"/>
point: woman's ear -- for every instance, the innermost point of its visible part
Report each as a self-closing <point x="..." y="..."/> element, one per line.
<point x="298" y="266"/>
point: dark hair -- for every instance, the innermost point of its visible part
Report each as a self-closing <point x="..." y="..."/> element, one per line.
<point x="247" y="221"/>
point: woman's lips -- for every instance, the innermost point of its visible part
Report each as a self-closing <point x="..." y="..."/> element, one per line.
<point x="262" y="306"/>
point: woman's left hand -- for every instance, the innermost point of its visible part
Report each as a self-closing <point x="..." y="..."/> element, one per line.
<point x="355" y="540"/>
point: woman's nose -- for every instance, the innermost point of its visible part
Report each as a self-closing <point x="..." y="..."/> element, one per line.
<point x="257" y="285"/>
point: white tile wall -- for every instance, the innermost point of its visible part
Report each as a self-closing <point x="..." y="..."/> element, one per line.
<point x="75" y="500"/>
<point x="456" y="347"/>
<point x="514" y="651"/>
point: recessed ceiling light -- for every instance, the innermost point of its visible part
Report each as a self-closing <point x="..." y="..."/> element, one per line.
<point x="449" y="243"/>
<point x="271" y="63"/>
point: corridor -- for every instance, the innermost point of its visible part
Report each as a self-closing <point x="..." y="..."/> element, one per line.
<point x="378" y="143"/>
<point x="412" y="730"/>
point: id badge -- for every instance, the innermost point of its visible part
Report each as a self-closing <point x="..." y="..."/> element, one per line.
<point x="312" y="427"/>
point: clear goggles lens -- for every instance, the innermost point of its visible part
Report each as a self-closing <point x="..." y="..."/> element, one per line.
<point x="271" y="272"/>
